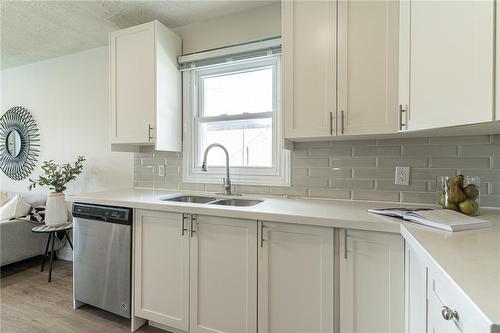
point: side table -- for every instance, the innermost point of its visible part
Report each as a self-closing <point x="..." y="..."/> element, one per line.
<point x="52" y="235"/>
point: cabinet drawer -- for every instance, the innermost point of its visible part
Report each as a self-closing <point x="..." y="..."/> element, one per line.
<point x="441" y="292"/>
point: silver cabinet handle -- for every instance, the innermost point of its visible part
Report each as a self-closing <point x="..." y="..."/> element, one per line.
<point x="448" y="314"/>
<point x="262" y="234"/>
<point x="401" y="121"/>
<point x="342" y="121"/>
<point x="345" y="243"/>
<point x="150" y="132"/>
<point x="193" y="219"/>
<point x="184" y="229"/>
<point x="331" y="123"/>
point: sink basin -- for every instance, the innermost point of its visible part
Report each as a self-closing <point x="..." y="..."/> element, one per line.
<point x="236" y="202"/>
<point x="190" y="199"/>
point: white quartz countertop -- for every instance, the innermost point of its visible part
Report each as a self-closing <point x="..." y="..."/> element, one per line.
<point x="330" y="213"/>
<point x="470" y="258"/>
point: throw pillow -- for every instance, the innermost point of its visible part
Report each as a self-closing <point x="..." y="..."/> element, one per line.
<point x="16" y="207"/>
<point x="37" y="214"/>
<point x="3" y="199"/>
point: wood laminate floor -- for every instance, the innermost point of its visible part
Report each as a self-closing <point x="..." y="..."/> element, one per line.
<point x="29" y="304"/>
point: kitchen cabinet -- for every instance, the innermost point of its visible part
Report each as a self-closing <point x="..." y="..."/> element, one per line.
<point x="161" y="250"/>
<point x="196" y="273"/>
<point x="340" y="77"/>
<point x="367" y="67"/>
<point x="446" y="63"/>
<point x="434" y="302"/>
<point x="296" y="278"/>
<point x="371" y="282"/>
<point x="497" y="65"/>
<point x="223" y="275"/>
<point x="309" y="32"/>
<point x="145" y="87"/>
<point x="415" y="292"/>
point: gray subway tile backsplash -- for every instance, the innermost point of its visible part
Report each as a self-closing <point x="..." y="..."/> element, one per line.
<point x="377" y="151"/>
<point x="460" y="162"/>
<point x="357" y="170"/>
<point x="430" y="150"/>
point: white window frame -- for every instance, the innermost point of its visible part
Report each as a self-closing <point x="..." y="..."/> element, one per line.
<point x="278" y="174"/>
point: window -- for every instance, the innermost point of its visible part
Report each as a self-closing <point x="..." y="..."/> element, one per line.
<point x="235" y="104"/>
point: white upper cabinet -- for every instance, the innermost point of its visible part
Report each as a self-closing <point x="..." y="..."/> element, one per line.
<point x="223" y="283"/>
<point x="371" y="282"/>
<point x="340" y="78"/>
<point x="367" y="67"/>
<point x="446" y="62"/>
<point x="145" y="87"/>
<point x="296" y="279"/>
<point x="309" y="67"/>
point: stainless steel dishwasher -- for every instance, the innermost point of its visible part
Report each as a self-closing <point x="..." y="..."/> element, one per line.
<point x="102" y="257"/>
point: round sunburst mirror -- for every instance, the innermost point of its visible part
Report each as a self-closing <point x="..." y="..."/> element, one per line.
<point x="19" y="143"/>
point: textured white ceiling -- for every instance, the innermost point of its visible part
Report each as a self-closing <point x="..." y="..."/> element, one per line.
<point x="36" y="30"/>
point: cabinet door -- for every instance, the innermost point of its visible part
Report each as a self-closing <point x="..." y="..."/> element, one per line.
<point x="450" y="62"/>
<point x="497" y="65"/>
<point x="309" y="70"/>
<point x="223" y="277"/>
<point x="415" y="292"/>
<point x="296" y="280"/>
<point x="161" y="268"/>
<point x="367" y="67"/>
<point x="132" y="74"/>
<point x="371" y="282"/>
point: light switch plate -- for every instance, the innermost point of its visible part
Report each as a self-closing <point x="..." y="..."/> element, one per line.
<point x="402" y="176"/>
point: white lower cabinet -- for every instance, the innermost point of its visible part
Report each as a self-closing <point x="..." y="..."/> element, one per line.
<point x="371" y="282"/>
<point x="435" y="304"/>
<point x="296" y="278"/>
<point x="161" y="253"/>
<point x="207" y="274"/>
<point x="223" y="279"/>
<point x="415" y="292"/>
<point x="196" y="273"/>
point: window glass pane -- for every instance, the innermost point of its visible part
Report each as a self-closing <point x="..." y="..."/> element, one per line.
<point x="237" y="93"/>
<point x="249" y="142"/>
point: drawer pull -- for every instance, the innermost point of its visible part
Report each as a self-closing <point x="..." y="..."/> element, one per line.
<point x="449" y="314"/>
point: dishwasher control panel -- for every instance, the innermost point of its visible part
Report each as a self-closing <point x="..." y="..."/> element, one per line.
<point x="103" y="213"/>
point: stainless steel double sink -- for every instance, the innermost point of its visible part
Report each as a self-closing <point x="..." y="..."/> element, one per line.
<point x="239" y="202"/>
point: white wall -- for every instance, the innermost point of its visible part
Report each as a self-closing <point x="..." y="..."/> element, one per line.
<point x="232" y="29"/>
<point x="68" y="97"/>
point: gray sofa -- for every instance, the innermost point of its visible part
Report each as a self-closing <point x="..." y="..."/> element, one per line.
<point x="17" y="242"/>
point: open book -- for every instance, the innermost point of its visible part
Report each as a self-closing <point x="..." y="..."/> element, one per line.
<point x="441" y="218"/>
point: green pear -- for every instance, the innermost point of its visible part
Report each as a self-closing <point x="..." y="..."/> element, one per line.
<point x="468" y="206"/>
<point x="455" y="193"/>
<point x="441" y="199"/>
<point x="471" y="191"/>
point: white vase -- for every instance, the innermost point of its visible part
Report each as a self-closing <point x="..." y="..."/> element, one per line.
<point x="56" y="212"/>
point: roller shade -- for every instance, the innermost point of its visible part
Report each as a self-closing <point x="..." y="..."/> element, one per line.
<point x="231" y="54"/>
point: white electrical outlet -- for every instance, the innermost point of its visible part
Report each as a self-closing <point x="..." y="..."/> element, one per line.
<point x="402" y="176"/>
<point x="161" y="170"/>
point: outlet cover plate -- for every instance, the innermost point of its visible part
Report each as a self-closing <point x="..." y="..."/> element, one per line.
<point x="161" y="170"/>
<point x="402" y="176"/>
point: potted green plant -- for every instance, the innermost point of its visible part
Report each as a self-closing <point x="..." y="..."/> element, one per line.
<point x="56" y="176"/>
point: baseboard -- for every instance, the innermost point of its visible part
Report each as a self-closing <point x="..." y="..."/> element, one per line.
<point x="65" y="253"/>
<point x="164" y="327"/>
